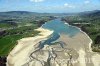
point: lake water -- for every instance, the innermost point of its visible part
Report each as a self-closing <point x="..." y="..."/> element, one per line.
<point x="59" y="27"/>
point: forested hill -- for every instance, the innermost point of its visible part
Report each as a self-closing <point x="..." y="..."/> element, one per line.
<point x="26" y="13"/>
<point x="95" y="13"/>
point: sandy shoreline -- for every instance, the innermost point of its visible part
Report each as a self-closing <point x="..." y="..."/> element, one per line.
<point x="82" y="57"/>
<point x="96" y="60"/>
<point x="24" y="47"/>
<point x="86" y="35"/>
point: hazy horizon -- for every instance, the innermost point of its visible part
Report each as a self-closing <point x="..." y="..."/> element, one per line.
<point x="50" y="12"/>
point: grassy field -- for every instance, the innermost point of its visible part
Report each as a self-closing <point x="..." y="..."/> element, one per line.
<point x="8" y="41"/>
<point x="5" y="25"/>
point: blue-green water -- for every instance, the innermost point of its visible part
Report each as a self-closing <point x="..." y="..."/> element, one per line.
<point x="49" y="41"/>
<point x="59" y="27"/>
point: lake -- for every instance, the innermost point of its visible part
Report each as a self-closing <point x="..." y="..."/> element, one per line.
<point x="59" y="27"/>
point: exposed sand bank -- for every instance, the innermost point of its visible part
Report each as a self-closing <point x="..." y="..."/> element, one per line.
<point x="20" y="54"/>
<point x="79" y="43"/>
<point x="96" y="59"/>
<point x="82" y="57"/>
<point x="90" y="49"/>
